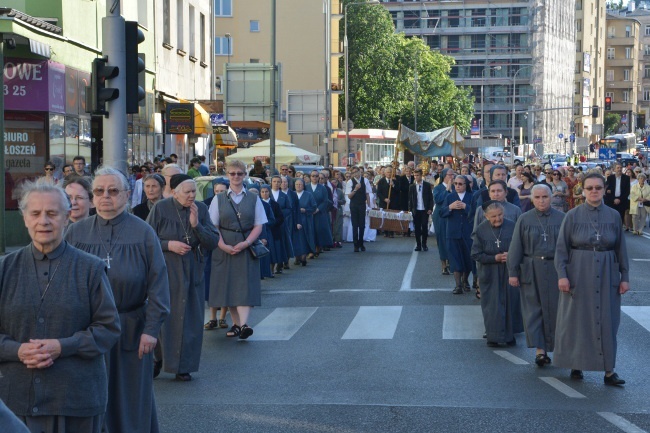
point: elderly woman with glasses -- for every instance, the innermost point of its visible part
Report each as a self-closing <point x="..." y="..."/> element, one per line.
<point x="593" y="270"/>
<point x="80" y="193"/>
<point x="235" y="282"/>
<point x="639" y="203"/>
<point x="138" y="276"/>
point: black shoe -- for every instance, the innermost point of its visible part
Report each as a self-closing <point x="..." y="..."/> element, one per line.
<point x="418" y="248"/>
<point x="576" y="374"/>
<point x="362" y="248"/>
<point x="425" y="248"/>
<point x="540" y="360"/>
<point x="458" y="290"/>
<point x="446" y="271"/>
<point x="304" y="262"/>
<point x="356" y="250"/>
<point x="157" y="367"/>
<point x="485" y="335"/>
<point x="245" y="332"/>
<point x="614" y="380"/>
<point x="184" y="377"/>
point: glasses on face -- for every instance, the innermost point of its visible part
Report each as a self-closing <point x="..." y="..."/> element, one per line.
<point x="112" y="191"/>
<point x="459" y="183"/>
<point x="236" y="173"/>
<point x="556" y="174"/>
<point x="49" y="169"/>
<point x="547" y="172"/>
<point x="590" y="188"/>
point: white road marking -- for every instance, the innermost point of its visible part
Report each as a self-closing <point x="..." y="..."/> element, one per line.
<point x="281" y="292"/>
<point x="374" y="323"/>
<point x="640" y="314"/>
<point x="562" y="387"/>
<point x="428" y="290"/>
<point x="408" y="274"/>
<point x="621" y="422"/>
<point x="641" y="260"/>
<point x="510" y="357"/>
<point x="282" y="323"/>
<point x="463" y="322"/>
<point x="354" y="290"/>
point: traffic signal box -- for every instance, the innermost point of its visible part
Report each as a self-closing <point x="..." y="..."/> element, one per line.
<point x="97" y="94"/>
<point x="608" y="103"/>
<point x="135" y="66"/>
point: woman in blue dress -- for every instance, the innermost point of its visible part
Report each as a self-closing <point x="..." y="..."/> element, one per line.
<point x="322" y="226"/>
<point x="278" y="255"/>
<point x="303" y="234"/>
<point x="265" y="236"/>
<point x="456" y="211"/>
<point x="440" y="193"/>
<point x="287" y="211"/>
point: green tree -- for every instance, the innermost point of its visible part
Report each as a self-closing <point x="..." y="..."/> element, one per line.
<point x="612" y="122"/>
<point x="382" y="76"/>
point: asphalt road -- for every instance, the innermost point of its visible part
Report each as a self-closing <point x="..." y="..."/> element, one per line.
<point x="376" y="342"/>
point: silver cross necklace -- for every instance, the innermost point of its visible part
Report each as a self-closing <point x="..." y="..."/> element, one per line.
<point x="110" y="247"/>
<point x="498" y="238"/>
<point x="187" y="236"/>
<point x="544" y="235"/>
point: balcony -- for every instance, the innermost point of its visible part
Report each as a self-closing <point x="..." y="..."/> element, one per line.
<point x="623" y="106"/>
<point x="620" y="85"/>
<point x="617" y="42"/>
<point x="630" y="63"/>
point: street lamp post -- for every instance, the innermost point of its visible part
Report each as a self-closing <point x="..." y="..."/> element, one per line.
<point x="345" y="47"/>
<point x="495" y="68"/>
<point x="227" y="35"/>
<point x="514" y="88"/>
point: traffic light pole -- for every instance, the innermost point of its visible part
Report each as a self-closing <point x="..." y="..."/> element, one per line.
<point x="115" y="125"/>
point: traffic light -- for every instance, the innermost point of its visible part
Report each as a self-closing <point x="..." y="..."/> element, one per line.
<point x="608" y="103"/>
<point x="134" y="66"/>
<point x="97" y="94"/>
<point x="594" y="111"/>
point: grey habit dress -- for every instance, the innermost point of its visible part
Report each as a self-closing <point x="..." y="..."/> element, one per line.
<point x="138" y="277"/>
<point x="182" y="333"/>
<point x="530" y="258"/>
<point x="235" y="280"/>
<point x="63" y="295"/>
<point x="591" y="253"/>
<point x="499" y="300"/>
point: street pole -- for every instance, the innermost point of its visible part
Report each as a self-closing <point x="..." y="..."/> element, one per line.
<point x="327" y="7"/>
<point x="347" y="67"/>
<point x="272" y="93"/>
<point x="3" y="169"/>
<point x="115" y="125"/>
<point x="514" y="88"/>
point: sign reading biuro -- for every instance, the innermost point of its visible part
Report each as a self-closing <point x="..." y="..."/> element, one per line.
<point x="180" y="119"/>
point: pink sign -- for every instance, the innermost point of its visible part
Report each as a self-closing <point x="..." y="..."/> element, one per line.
<point x="34" y="85"/>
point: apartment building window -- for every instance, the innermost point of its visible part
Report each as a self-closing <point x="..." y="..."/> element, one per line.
<point x="202" y="40"/>
<point x="611" y="53"/>
<point x="499" y="17"/>
<point x="578" y="5"/>
<point x="646" y="94"/>
<point x="192" y="24"/>
<point x="626" y="75"/>
<point x="576" y="87"/>
<point x="432" y="18"/>
<point x="433" y="41"/>
<point x="611" y="32"/>
<point x="411" y="19"/>
<point x="578" y="66"/>
<point x="647" y="30"/>
<point x="646" y="50"/>
<point x="254" y="26"/>
<point x="453" y="42"/>
<point x="223" y="8"/>
<point x="222" y="46"/>
<point x="478" y="18"/>
<point x="578" y="25"/>
<point x="179" y="25"/>
<point x="166" y="23"/>
<point x="453" y="18"/>
<point x="610" y="75"/>
<point x="478" y="43"/>
<point x="628" y="31"/>
<point x="628" y="53"/>
<point x="646" y="71"/>
<point x="609" y="95"/>
<point x="579" y="46"/>
<point x="142" y="12"/>
<point x="626" y="96"/>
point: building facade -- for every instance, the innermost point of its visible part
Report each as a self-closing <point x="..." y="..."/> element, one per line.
<point x="519" y="55"/>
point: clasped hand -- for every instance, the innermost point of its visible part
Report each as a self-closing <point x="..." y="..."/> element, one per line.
<point x="39" y="353"/>
<point x="234" y="249"/>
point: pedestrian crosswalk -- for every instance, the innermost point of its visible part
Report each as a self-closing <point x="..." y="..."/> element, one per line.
<point x="458" y="322"/>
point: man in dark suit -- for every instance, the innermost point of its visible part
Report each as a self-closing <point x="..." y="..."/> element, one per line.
<point x="358" y="190"/>
<point x="617" y="191"/>
<point x="420" y="204"/>
<point x="388" y="194"/>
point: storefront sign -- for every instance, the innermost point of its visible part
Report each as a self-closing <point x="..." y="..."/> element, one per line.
<point x="180" y="118"/>
<point x="34" y="85"/>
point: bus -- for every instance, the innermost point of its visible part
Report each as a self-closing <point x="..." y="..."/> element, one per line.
<point x="620" y="142"/>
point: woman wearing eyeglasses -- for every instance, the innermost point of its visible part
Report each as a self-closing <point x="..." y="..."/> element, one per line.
<point x="592" y="266"/>
<point x="80" y="193"/>
<point x="49" y="172"/>
<point x="138" y="275"/>
<point x="559" y="192"/>
<point x="235" y="277"/>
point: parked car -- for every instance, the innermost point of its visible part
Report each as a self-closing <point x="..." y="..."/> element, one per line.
<point x="560" y="161"/>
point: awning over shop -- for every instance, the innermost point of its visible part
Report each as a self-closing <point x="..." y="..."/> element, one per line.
<point x="285" y="153"/>
<point x="224" y="137"/>
<point x="202" y="123"/>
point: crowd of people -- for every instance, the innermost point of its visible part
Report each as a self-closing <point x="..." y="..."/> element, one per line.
<point x="141" y="256"/>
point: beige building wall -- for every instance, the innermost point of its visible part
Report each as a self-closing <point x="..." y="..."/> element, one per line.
<point x="300" y="50"/>
<point x="643" y="120"/>
<point x="622" y="66"/>
<point x="589" y="82"/>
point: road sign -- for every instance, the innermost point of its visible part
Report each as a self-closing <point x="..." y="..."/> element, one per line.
<point x="606" y="153"/>
<point x="560" y="136"/>
<point x="572" y="138"/>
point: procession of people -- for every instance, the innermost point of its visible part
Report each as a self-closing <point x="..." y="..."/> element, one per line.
<point x="136" y="281"/>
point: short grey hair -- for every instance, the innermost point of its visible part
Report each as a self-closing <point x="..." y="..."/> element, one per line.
<point x="166" y="168"/>
<point x="110" y="171"/>
<point x="43" y="186"/>
<point x="494" y="206"/>
<point x="540" y="186"/>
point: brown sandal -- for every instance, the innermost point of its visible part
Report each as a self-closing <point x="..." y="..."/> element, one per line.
<point x="212" y="324"/>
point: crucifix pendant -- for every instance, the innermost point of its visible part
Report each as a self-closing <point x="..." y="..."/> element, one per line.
<point x="544" y="235"/>
<point x="238" y="215"/>
<point x="498" y="242"/>
<point x="108" y="260"/>
<point x="597" y="236"/>
<point x="187" y="239"/>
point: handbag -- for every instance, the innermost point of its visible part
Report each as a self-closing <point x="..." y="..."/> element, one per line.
<point x="257" y="248"/>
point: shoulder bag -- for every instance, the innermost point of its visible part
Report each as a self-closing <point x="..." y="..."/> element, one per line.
<point x="256" y="248"/>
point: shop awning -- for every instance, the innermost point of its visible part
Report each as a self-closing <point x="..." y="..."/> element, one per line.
<point x="224" y="137"/>
<point x="202" y="124"/>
